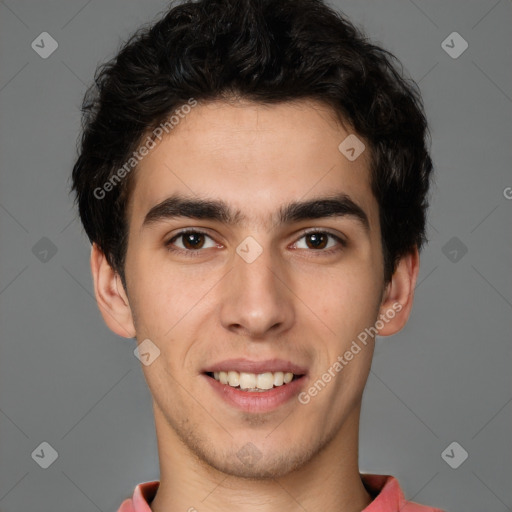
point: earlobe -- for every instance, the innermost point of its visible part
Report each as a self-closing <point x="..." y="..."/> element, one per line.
<point x="399" y="295"/>
<point x="111" y="296"/>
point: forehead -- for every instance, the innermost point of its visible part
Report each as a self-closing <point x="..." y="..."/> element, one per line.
<point x="255" y="157"/>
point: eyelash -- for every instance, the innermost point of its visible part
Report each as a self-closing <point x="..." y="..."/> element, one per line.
<point x="192" y="253"/>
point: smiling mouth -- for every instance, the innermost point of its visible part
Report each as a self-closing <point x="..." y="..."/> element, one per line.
<point x="254" y="382"/>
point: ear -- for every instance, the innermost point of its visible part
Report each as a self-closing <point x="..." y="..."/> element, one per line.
<point x="399" y="294"/>
<point x="111" y="296"/>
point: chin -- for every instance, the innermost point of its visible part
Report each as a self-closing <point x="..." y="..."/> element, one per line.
<point x="268" y="466"/>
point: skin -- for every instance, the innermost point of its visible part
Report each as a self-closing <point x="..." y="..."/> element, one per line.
<point x="295" y="302"/>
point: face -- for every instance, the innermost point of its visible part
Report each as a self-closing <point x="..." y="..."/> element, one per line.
<point x="254" y="253"/>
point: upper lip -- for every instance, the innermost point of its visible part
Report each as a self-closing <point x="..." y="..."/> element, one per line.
<point x="248" y="366"/>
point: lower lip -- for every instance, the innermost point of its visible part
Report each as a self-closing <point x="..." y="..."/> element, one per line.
<point x="257" y="401"/>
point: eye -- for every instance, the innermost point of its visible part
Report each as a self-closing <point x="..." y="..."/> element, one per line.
<point x="319" y="240"/>
<point x="190" y="241"/>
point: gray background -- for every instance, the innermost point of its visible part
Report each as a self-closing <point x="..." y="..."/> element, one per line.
<point x="65" y="379"/>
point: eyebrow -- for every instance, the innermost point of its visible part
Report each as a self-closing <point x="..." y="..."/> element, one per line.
<point x="177" y="206"/>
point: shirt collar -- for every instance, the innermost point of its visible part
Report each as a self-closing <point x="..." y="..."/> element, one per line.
<point x="384" y="489"/>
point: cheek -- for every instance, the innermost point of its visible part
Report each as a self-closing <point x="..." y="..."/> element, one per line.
<point x="350" y="307"/>
<point x="164" y="297"/>
<point x="347" y="299"/>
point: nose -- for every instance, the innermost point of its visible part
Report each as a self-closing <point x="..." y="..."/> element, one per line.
<point x="256" y="301"/>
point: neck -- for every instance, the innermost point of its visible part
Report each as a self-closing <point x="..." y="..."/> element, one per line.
<point x="330" y="481"/>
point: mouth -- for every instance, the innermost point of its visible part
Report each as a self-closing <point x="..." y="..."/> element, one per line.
<point x="256" y="386"/>
<point x="254" y="382"/>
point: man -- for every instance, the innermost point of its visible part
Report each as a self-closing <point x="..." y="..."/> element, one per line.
<point x="253" y="177"/>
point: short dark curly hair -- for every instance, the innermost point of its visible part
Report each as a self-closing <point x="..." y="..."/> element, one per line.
<point x="267" y="51"/>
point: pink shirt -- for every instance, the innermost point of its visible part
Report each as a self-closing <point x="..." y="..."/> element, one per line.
<point x="385" y="490"/>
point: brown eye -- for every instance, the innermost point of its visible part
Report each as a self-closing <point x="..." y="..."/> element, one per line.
<point x="321" y="242"/>
<point x="189" y="241"/>
<point x="193" y="240"/>
<point x="317" y="240"/>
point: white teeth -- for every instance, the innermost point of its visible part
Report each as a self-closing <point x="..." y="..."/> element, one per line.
<point x="247" y="380"/>
<point x="265" y="381"/>
<point x="233" y="379"/>
<point x="278" y="379"/>
<point x="253" y="381"/>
